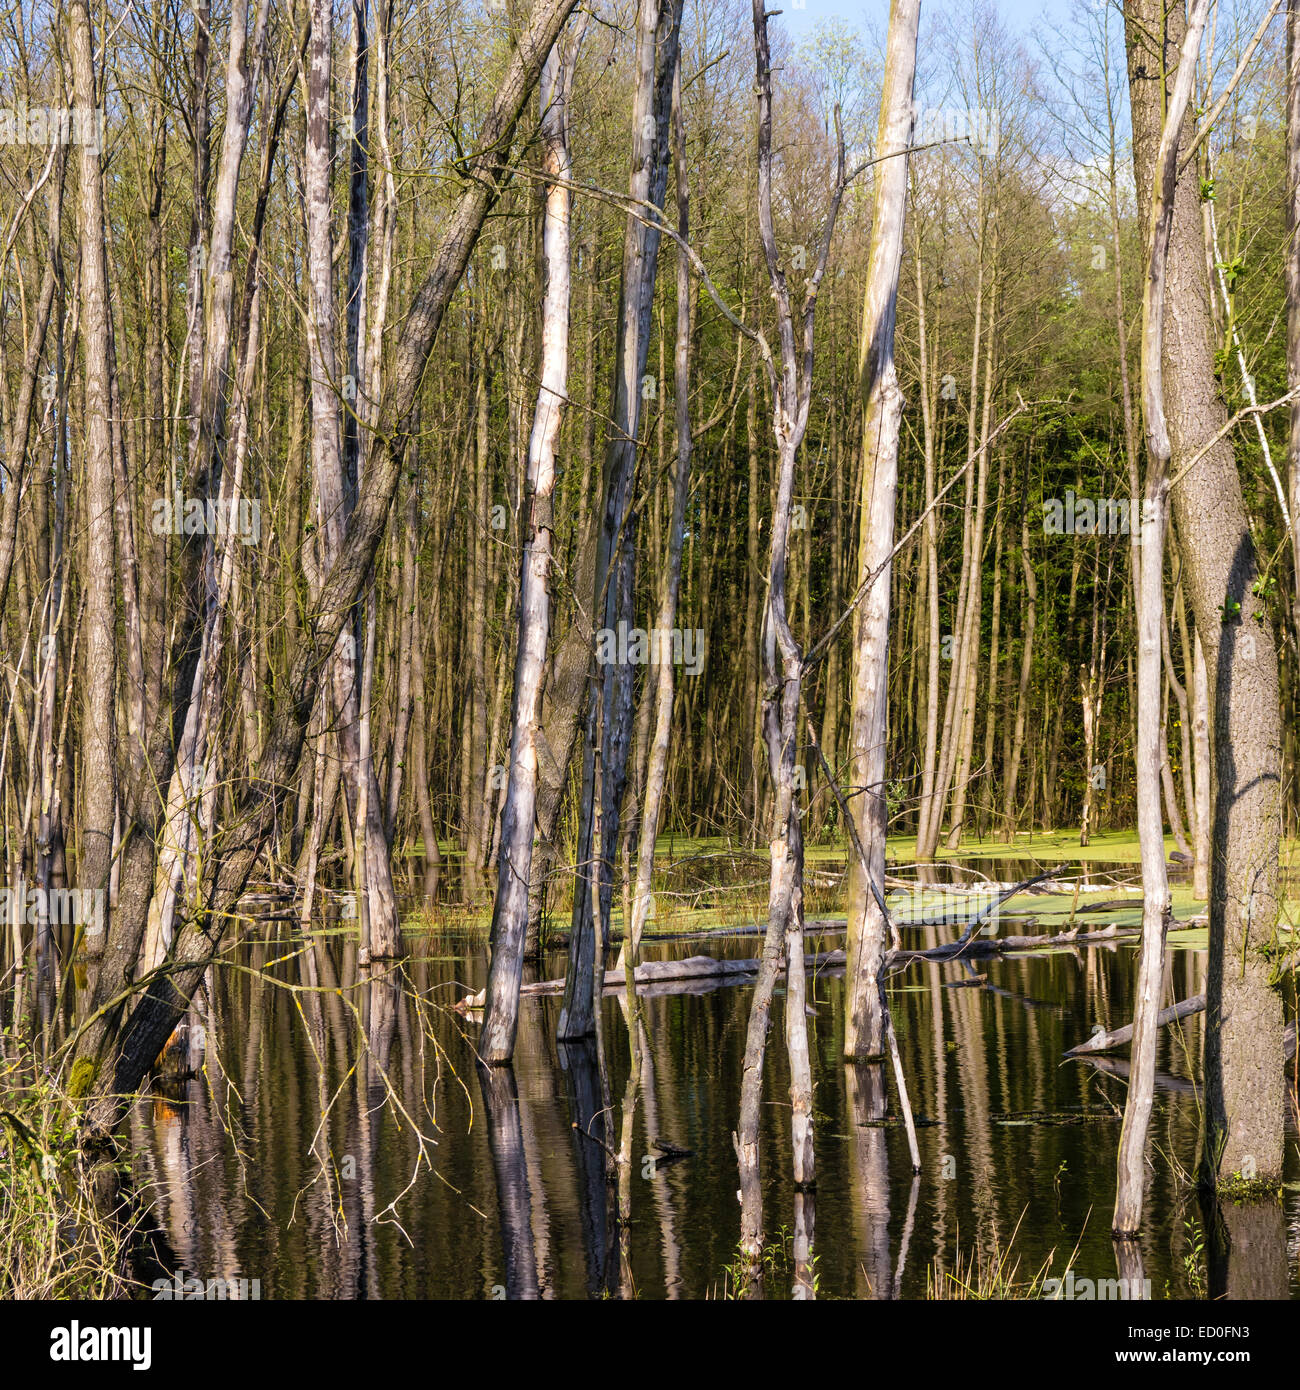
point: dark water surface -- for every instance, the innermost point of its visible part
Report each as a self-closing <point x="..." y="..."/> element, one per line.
<point x="326" y="1166"/>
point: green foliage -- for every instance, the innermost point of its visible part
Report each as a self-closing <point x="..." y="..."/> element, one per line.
<point x="776" y="1265"/>
<point x="59" y="1237"/>
<point x="1233" y="270"/>
<point x="1194" y="1258"/>
<point x="1239" y="1188"/>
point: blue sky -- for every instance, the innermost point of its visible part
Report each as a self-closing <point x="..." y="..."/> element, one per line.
<point x="1021" y="13"/>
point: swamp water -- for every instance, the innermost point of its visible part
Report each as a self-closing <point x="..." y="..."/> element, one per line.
<point x="341" y="1142"/>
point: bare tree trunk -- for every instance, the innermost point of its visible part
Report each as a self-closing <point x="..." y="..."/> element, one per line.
<point x="970" y="642"/>
<point x="882" y="416"/>
<point x="378" y="910"/>
<point x="658" y="33"/>
<point x="514" y="865"/>
<point x="474" y="741"/>
<point x="930" y="546"/>
<point x="420" y="753"/>
<point x="564" y="703"/>
<point x="1151" y="617"/>
<point x="1244" y="1086"/>
<point x="1022" y="694"/>
<point x="790" y="379"/>
<point x="99" y="680"/>
<point x="1292" y="293"/>
<point x="991" y="706"/>
<point x="671" y="583"/>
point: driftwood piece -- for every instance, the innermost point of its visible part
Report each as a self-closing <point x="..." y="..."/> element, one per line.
<point x="659" y="972"/>
<point x="978" y="947"/>
<point x="1104" y="1042"/>
<point x="672" y="976"/>
<point x="1118" y="1066"/>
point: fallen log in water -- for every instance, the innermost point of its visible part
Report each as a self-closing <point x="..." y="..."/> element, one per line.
<point x="658" y="972"/>
<point x="996" y="945"/>
<point x="1102" y="1041"/>
<point x="664" y="973"/>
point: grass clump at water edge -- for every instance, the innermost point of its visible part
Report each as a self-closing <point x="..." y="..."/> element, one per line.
<point x="57" y="1240"/>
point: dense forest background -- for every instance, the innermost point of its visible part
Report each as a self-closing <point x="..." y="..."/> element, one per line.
<point x="446" y="449"/>
<point x="1021" y="282"/>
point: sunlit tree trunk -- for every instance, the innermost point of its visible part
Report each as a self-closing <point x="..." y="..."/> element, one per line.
<point x="882" y="402"/>
<point x="789" y="375"/>
<point x="1244" y="1084"/>
<point x="1293" y="290"/>
<point x="1130" y="1180"/>
<point x="99" y="668"/>
<point x="514" y="865"/>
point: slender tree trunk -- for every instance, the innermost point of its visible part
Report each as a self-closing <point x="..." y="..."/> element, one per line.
<point x="1009" y="817"/>
<point x="1292" y="293"/>
<point x="1244" y="1085"/>
<point x="882" y="415"/>
<point x="1151" y="617"/>
<point x="790" y="380"/>
<point x="658" y="34"/>
<point x="99" y="682"/>
<point x="514" y="864"/>
<point x="671" y="583"/>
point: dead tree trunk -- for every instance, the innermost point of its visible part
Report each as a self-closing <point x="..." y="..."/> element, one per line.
<point x="609" y="721"/>
<point x="376" y="897"/>
<point x="1151" y="617"/>
<point x="883" y="410"/>
<point x="671" y="584"/>
<point x="514" y="862"/>
<point x="790" y="378"/>
<point x="1244" y="1090"/>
